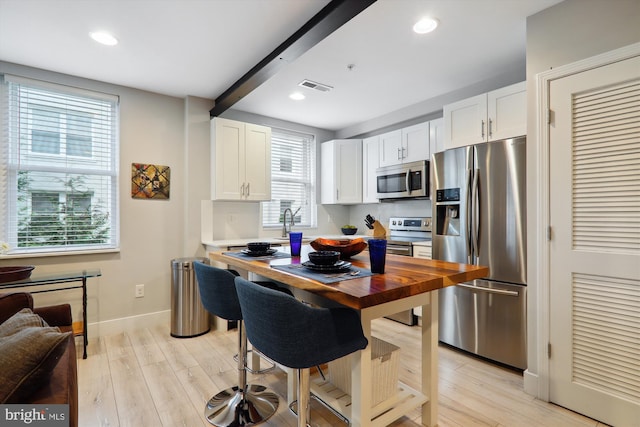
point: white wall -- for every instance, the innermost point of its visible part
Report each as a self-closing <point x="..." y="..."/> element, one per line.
<point x="562" y="34"/>
<point x="152" y="232"/>
<point x="383" y="211"/>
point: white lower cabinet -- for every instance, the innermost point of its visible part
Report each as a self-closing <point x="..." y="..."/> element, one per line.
<point x="341" y="171"/>
<point x="422" y="250"/>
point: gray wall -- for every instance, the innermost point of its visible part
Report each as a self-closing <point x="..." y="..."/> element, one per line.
<point x="152" y="130"/>
<point x="562" y="34"/>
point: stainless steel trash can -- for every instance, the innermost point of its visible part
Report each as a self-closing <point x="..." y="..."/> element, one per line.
<point x="188" y="316"/>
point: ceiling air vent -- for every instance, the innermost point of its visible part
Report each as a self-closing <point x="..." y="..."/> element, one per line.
<point x="314" y="85"/>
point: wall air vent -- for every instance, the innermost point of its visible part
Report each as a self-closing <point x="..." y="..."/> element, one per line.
<point x="314" y="85"/>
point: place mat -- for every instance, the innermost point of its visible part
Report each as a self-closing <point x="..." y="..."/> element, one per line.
<point x="246" y="256"/>
<point x="326" y="278"/>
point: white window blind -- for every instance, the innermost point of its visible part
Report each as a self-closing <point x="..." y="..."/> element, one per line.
<point x="58" y="168"/>
<point x="293" y="159"/>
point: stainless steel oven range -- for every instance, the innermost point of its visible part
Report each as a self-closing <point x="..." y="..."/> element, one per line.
<point x="403" y="232"/>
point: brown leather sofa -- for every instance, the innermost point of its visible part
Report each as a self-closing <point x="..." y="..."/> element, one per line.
<point x="62" y="387"/>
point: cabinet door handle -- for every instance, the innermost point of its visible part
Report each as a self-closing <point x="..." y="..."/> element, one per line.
<point x="337" y="194"/>
<point x="399" y="155"/>
<point x="490" y="128"/>
<point x="482" y="128"/>
<point x="403" y="155"/>
<point x="242" y="189"/>
<point x="248" y="191"/>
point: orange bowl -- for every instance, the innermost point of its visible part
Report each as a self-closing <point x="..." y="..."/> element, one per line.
<point x="346" y="247"/>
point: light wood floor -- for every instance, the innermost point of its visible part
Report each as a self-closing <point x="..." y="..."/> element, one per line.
<point x="148" y="378"/>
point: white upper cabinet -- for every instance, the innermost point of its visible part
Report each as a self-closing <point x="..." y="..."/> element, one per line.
<point x="370" y="162"/>
<point x="390" y="148"/>
<point x="240" y="161"/>
<point x="436" y="136"/>
<point x="341" y="176"/>
<point x="499" y="114"/>
<point x="405" y="145"/>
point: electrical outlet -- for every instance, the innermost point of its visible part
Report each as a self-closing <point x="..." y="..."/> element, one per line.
<point x="139" y="291"/>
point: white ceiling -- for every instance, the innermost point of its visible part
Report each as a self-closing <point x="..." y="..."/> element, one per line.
<point x="201" y="47"/>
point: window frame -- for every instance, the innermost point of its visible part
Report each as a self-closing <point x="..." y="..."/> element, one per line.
<point x="88" y="115"/>
<point x="307" y="216"/>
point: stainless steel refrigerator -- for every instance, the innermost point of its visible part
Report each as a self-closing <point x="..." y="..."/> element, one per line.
<point x="479" y="208"/>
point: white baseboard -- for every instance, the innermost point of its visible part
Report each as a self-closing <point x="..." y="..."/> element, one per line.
<point x="530" y="383"/>
<point x="126" y="324"/>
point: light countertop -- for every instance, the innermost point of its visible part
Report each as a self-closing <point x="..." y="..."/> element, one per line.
<point x="226" y="243"/>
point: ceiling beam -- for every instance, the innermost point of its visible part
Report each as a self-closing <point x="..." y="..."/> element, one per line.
<point x="325" y="22"/>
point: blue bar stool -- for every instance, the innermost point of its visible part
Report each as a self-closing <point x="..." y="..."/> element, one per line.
<point x="243" y="404"/>
<point x="298" y="335"/>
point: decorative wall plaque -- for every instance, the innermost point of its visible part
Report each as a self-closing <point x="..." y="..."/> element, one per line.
<point x="150" y="181"/>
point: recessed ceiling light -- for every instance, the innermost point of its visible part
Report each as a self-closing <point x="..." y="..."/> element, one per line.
<point x="104" y="38"/>
<point x="297" y="96"/>
<point x="425" y="25"/>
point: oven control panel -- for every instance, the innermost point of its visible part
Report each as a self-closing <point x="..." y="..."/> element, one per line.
<point x="410" y="224"/>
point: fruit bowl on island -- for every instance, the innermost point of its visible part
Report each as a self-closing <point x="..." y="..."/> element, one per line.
<point x="349" y="230"/>
<point x="346" y="247"/>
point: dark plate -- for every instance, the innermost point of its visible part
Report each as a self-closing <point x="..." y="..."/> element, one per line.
<point x="338" y="266"/>
<point x="261" y="253"/>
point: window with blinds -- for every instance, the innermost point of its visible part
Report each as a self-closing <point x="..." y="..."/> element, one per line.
<point x="58" y="168"/>
<point x="293" y="159"/>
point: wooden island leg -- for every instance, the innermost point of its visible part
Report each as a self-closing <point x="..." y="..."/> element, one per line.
<point x="430" y="360"/>
<point x="361" y="377"/>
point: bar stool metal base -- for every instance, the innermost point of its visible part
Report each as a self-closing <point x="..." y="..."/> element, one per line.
<point x="234" y="408"/>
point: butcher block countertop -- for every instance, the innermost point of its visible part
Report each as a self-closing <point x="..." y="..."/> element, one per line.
<point x="403" y="277"/>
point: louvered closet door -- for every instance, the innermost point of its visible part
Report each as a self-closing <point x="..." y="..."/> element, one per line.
<point x="595" y="245"/>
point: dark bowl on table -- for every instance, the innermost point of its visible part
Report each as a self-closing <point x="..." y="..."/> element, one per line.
<point x="13" y="274"/>
<point x="346" y="247"/>
<point x="349" y="231"/>
<point x="324" y="257"/>
<point x="258" y="246"/>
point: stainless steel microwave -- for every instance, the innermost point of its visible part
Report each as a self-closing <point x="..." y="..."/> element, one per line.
<point x="407" y="180"/>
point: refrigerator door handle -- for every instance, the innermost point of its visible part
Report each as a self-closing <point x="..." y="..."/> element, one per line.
<point x="489" y="290"/>
<point x="469" y="219"/>
<point x="476" y="214"/>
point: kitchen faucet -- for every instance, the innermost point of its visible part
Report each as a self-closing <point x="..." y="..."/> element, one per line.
<point x="285" y="232"/>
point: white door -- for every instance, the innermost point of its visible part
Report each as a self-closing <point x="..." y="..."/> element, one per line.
<point x="348" y="158"/>
<point x="465" y="122"/>
<point x="391" y="148"/>
<point x="507" y="112"/>
<point x="227" y="159"/>
<point x="415" y="143"/>
<point x="370" y="162"/>
<point x="257" y="162"/>
<point x="595" y="245"/>
<point x="436" y="136"/>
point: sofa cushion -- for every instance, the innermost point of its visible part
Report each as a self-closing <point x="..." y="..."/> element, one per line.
<point x="25" y="318"/>
<point x="28" y="358"/>
<point x="12" y="303"/>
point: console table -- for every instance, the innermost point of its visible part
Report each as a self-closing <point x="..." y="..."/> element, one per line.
<point x="62" y="282"/>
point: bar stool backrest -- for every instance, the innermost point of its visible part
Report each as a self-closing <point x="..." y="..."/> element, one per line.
<point x="218" y="291"/>
<point x="294" y="334"/>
